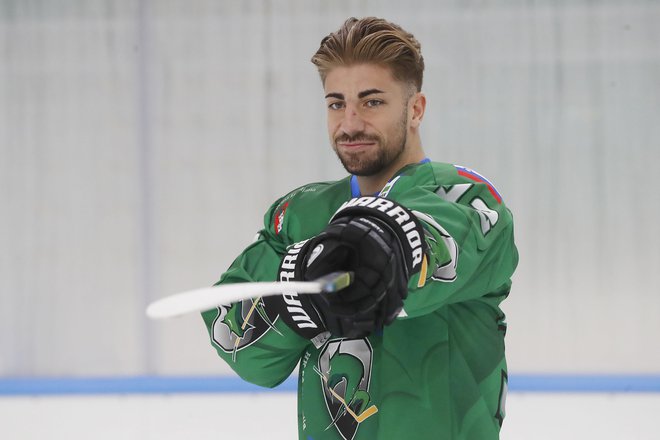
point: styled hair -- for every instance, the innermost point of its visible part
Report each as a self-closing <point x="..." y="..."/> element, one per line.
<point x="376" y="41"/>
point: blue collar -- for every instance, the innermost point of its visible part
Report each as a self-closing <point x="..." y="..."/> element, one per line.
<point x="355" y="188"/>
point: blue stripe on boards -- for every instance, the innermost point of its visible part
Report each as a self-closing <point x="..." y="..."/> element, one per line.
<point x="584" y="383"/>
<point x="532" y="383"/>
<point x="135" y="385"/>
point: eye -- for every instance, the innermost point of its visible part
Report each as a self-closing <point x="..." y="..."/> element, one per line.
<point x="373" y="103"/>
<point x="337" y="105"/>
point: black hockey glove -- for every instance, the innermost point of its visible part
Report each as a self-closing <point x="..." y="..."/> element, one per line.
<point x="378" y="240"/>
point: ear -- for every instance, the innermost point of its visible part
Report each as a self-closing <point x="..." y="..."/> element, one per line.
<point x="417" y="105"/>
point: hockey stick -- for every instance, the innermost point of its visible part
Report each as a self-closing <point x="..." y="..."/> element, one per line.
<point x="209" y="297"/>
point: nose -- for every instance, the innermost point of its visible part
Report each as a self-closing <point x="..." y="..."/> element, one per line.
<point x="352" y="122"/>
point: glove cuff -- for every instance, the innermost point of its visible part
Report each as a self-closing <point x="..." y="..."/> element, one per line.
<point x="298" y="311"/>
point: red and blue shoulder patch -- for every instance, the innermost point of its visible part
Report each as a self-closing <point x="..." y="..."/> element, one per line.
<point x="473" y="175"/>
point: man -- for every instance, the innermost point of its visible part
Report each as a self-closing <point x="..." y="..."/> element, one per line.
<point x="414" y="347"/>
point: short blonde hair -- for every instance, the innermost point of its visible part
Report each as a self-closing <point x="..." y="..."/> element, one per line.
<point x="372" y="40"/>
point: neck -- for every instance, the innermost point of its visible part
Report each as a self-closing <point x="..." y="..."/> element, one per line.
<point x="375" y="182"/>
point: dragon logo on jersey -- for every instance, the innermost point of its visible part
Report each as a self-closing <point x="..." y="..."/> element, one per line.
<point x="240" y="324"/>
<point x="345" y="370"/>
<point x="443" y="249"/>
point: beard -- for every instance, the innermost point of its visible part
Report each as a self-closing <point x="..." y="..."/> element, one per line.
<point x="373" y="162"/>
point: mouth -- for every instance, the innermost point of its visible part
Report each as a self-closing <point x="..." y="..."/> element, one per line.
<point x="355" y="144"/>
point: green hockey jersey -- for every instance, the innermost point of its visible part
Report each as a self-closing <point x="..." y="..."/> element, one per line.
<point x="438" y="371"/>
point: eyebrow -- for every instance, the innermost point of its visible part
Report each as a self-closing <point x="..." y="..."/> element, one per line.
<point x="369" y="92"/>
<point x="360" y="95"/>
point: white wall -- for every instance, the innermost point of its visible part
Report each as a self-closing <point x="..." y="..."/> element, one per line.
<point x="141" y="142"/>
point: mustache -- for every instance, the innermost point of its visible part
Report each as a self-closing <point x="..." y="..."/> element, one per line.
<point x="357" y="137"/>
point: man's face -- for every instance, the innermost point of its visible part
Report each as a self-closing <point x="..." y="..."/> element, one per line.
<point x="367" y="117"/>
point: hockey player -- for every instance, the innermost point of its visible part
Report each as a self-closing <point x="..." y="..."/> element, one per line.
<point x="414" y="347"/>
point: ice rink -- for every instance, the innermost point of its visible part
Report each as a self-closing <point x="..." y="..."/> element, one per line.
<point x="530" y="416"/>
<point x="539" y="407"/>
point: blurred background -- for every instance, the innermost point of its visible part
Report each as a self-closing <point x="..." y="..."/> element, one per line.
<point x="141" y="142"/>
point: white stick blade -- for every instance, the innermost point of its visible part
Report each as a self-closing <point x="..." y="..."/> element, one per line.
<point x="210" y="297"/>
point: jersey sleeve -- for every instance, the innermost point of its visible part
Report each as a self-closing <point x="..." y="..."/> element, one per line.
<point x="257" y="345"/>
<point x="471" y="252"/>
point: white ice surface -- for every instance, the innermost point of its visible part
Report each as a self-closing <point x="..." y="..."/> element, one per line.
<point x="273" y="416"/>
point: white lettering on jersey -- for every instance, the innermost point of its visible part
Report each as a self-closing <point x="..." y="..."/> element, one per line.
<point x="487" y="216"/>
<point x="454" y="193"/>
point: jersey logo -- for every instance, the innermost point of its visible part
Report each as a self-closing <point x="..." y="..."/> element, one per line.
<point x="240" y="324"/>
<point x="279" y="218"/>
<point x="388" y="187"/>
<point x="345" y="369"/>
<point x="443" y="248"/>
<point x="473" y="175"/>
